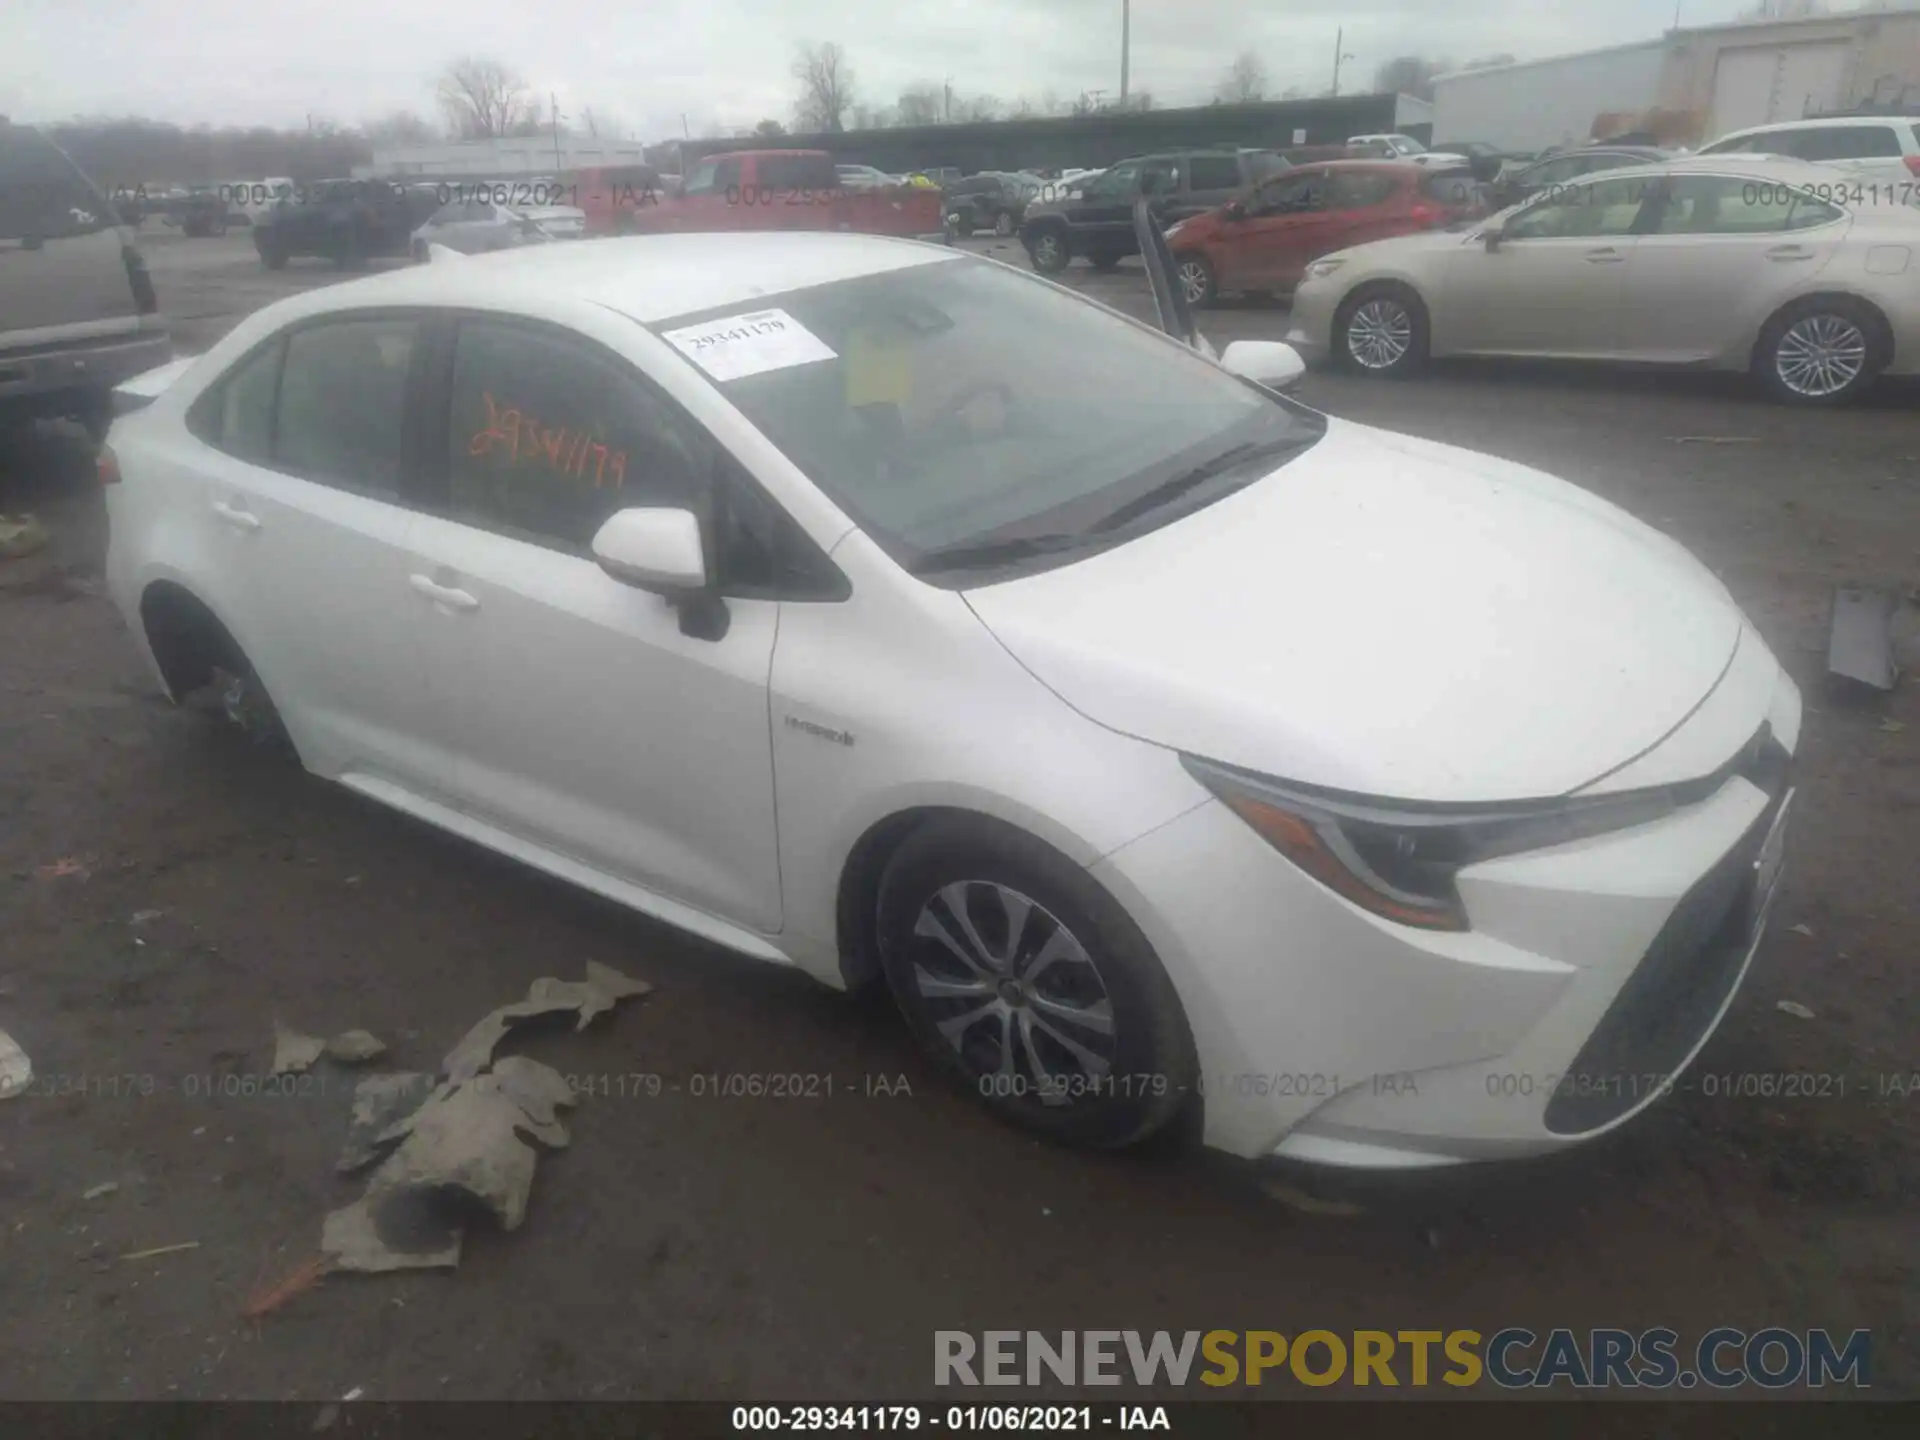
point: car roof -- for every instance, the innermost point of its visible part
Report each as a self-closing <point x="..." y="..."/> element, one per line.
<point x="1778" y="169"/>
<point x="647" y="278"/>
<point x="1823" y="122"/>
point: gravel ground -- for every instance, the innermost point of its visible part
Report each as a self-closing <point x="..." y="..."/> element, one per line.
<point x="694" y="1247"/>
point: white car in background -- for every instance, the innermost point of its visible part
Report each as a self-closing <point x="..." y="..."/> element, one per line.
<point x="1883" y="147"/>
<point x="473" y="226"/>
<point x="876" y="609"/>
<point x="1807" y="276"/>
<point x="1401" y="147"/>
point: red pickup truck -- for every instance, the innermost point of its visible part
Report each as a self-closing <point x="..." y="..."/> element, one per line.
<point x="786" y="190"/>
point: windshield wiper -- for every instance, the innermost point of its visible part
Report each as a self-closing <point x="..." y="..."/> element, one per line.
<point x="985" y="553"/>
<point x="1169" y="490"/>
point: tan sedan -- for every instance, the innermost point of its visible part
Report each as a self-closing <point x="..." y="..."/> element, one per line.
<point x="1807" y="275"/>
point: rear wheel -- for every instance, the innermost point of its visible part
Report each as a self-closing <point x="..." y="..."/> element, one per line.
<point x="1050" y="250"/>
<point x="1197" y="280"/>
<point x="1026" y="982"/>
<point x="1821" y="351"/>
<point x="1003" y="224"/>
<point x="1381" y="330"/>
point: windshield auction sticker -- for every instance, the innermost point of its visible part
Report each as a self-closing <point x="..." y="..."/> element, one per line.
<point x="742" y="345"/>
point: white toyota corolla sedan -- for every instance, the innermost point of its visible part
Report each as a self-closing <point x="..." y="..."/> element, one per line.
<point x="872" y="608"/>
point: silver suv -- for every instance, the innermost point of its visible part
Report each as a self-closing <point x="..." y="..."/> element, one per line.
<point x="77" y="310"/>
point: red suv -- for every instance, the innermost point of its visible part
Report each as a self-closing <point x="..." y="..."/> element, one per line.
<point x="1262" y="242"/>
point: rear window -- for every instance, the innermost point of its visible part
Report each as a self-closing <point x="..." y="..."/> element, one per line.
<point x="796" y="172"/>
<point x="1847" y="142"/>
<point x="43" y="195"/>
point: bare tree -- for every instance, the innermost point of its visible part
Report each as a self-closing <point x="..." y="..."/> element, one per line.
<point x="402" y="127"/>
<point x="1245" y="80"/>
<point x="483" y="98"/>
<point x="1409" y="75"/>
<point x="826" y="87"/>
<point x="921" y="103"/>
<point x="1296" y="92"/>
<point x="768" y="129"/>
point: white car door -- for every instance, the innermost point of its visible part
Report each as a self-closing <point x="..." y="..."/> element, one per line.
<point x="1553" y="285"/>
<point x="585" y="720"/>
<point x="304" y="490"/>
<point x="1719" y="255"/>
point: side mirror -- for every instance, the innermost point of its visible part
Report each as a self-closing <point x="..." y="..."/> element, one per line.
<point x="653" y="550"/>
<point x="1236" y="209"/>
<point x="1269" y="363"/>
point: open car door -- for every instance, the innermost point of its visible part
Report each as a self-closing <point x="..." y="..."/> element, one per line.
<point x="1176" y="316"/>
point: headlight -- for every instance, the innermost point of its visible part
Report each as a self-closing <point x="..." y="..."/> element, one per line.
<point x="1400" y="860"/>
<point x="1320" y="269"/>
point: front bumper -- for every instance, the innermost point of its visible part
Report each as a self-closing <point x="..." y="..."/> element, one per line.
<point x="1593" y="974"/>
<point x="1310" y="320"/>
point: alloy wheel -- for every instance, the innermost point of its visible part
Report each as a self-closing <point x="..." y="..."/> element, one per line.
<point x="1003" y="224"/>
<point x="1013" y="991"/>
<point x="1820" y="355"/>
<point x="1194" y="281"/>
<point x="1046" y="250"/>
<point x="1380" y="333"/>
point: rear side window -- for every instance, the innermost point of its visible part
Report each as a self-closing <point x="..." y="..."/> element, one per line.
<point x="1215" y="172"/>
<point x="341" y="416"/>
<point x="43" y="195"/>
<point x="796" y="172"/>
<point x="549" y="437"/>
<point x="1355" y="190"/>
<point x="245" y="424"/>
<point x="1847" y="142"/>
<point x="1722" y="205"/>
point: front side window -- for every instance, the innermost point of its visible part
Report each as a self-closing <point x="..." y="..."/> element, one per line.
<point x="1589" y="210"/>
<point x="1160" y="177"/>
<point x="950" y="405"/>
<point x="1120" y="180"/>
<point x="549" y="436"/>
<point x="700" y="182"/>
<point x="1215" y="172"/>
<point x="1724" y="205"/>
<point x="1296" y="194"/>
<point x="1848" y="142"/>
<point x="1357" y="190"/>
<point x="341" y="415"/>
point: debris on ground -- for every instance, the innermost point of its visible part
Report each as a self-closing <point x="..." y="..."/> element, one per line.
<point x="294" y="1053"/>
<point x="1296" y="1198"/>
<point x="141" y="917"/>
<point x="66" y="866"/>
<point x="354" y="1047"/>
<point x="20" y="535"/>
<point x="379" y="1103"/>
<point x="302" y="1279"/>
<point x="1893" y="727"/>
<point x="468" y="1141"/>
<point x="1793" y="1008"/>
<point x="1860" y="636"/>
<point x="1806" y="930"/>
<point x="105" y="1187"/>
<point x="16" y="1070"/>
<point x="162" y="1250"/>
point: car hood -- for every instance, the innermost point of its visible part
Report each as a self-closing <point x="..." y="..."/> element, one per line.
<point x="1385" y="616"/>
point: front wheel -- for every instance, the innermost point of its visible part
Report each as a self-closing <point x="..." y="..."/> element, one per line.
<point x="1003" y="224"/>
<point x="1381" y="330"/>
<point x="1821" y="352"/>
<point x="1197" y="280"/>
<point x="1050" y="251"/>
<point x="1026" y="982"/>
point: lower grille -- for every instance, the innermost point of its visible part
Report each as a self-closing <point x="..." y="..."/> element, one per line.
<point x="1670" y="999"/>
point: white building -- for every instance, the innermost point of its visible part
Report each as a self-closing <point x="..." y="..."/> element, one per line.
<point x="1708" y="80"/>
<point x="500" y="158"/>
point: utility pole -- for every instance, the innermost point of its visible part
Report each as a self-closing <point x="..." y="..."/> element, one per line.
<point x="946" y="102"/>
<point x="553" y="99"/>
<point x="1339" y="54"/>
<point x="1126" y="45"/>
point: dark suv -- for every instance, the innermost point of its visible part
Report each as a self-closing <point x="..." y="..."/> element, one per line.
<point x="992" y="200"/>
<point x="348" y="221"/>
<point x="1098" y="221"/>
<point x="78" y="313"/>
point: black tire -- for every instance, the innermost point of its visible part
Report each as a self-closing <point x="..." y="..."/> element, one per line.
<point x="1375" y="307"/>
<point x="1106" y="263"/>
<point x="1818" y="342"/>
<point x="1195" y="276"/>
<point x="1104" y="970"/>
<point x="1051" y="249"/>
<point x="1003" y="224"/>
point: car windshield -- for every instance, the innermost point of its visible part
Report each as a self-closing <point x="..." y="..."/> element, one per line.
<point x="960" y="412"/>
<point x="1406" y="145"/>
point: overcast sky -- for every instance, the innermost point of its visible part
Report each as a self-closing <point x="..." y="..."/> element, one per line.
<point x="727" y="63"/>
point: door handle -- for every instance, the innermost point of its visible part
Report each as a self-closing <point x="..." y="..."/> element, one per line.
<point x="236" y="517"/>
<point x="443" y="594"/>
<point x="1789" y="252"/>
<point x="1608" y="256"/>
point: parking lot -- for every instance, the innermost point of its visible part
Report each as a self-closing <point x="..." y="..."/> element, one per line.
<point x="693" y="1246"/>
